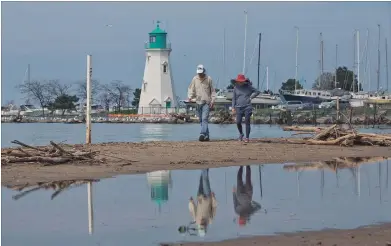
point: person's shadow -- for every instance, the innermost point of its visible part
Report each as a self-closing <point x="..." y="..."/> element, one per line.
<point x="244" y="206"/>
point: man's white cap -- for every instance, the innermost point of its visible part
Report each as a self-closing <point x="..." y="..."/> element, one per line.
<point x="200" y="68"/>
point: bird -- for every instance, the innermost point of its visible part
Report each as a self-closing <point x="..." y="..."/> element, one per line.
<point x="108" y="25"/>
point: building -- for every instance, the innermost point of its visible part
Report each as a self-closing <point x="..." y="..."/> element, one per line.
<point x="157" y="90"/>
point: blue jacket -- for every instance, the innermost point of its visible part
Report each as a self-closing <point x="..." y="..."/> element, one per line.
<point x="242" y="95"/>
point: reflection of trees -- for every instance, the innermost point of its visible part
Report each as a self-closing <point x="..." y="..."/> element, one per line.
<point x="57" y="186"/>
<point x="336" y="163"/>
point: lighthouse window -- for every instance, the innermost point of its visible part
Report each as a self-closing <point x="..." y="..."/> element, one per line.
<point x="164" y="68"/>
<point x="152" y="39"/>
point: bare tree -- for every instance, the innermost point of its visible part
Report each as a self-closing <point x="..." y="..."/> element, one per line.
<point x="56" y="89"/>
<point x="118" y="93"/>
<point x="105" y="101"/>
<point x="36" y="91"/>
<point x="82" y="89"/>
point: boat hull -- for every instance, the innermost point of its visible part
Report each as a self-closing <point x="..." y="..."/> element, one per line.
<point x="305" y="99"/>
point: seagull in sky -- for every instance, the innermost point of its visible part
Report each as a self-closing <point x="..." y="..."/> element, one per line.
<point x="108" y="25"/>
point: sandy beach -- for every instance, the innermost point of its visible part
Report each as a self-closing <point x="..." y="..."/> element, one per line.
<point x="363" y="236"/>
<point x="127" y="158"/>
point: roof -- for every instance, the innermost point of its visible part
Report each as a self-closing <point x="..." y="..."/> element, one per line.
<point x="158" y="30"/>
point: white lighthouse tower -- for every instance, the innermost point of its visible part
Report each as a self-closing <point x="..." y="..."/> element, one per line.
<point x="157" y="92"/>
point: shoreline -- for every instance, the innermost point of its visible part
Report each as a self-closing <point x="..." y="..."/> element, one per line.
<point x="135" y="158"/>
<point x="377" y="234"/>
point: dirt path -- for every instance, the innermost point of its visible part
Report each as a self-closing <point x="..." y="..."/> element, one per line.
<point x="365" y="236"/>
<point x="124" y="158"/>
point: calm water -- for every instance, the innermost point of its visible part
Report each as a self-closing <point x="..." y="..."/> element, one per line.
<point x="41" y="134"/>
<point x="126" y="211"/>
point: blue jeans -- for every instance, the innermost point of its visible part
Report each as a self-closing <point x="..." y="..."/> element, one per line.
<point x="203" y="115"/>
<point x="204" y="185"/>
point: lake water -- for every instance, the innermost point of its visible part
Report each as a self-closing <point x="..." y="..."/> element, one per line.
<point x="41" y="133"/>
<point x="127" y="211"/>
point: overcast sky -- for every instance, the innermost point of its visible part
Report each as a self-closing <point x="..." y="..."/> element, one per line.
<point x="55" y="37"/>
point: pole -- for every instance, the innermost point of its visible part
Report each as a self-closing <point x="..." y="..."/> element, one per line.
<point x="367" y="67"/>
<point x="259" y="57"/>
<point x="354" y="61"/>
<point x="245" y="42"/>
<point x="386" y="65"/>
<point x="88" y="109"/>
<point x="321" y="52"/>
<point x="297" y="49"/>
<point x="358" y="60"/>
<point x="267" y="78"/>
<point x="90" y="211"/>
<point x="378" y="61"/>
<point x="336" y="65"/>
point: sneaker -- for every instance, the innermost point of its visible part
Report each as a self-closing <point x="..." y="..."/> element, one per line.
<point x="206" y="138"/>
<point x="246" y="140"/>
<point x="241" y="137"/>
<point x="201" y="138"/>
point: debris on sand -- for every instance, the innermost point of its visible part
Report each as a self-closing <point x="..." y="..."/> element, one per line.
<point x="49" y="155"/>
<point x="337" y="135"/>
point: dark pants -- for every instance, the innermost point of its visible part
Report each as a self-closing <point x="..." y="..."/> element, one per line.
<point x="245" y="112"/>
<point x="245" y="188"/>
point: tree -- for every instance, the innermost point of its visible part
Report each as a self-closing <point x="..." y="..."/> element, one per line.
<point x="344" y="80"/>
<point x="324" y="82"/>
<point x="105" y="100"/>
<point x="118" y="93"/>
<point x="36" y="91"/>
<point x="82" y="89"/>
<point x="56" y="89"/>
<point x="136" y="97"/>
<point x="64" y="102"/>
<point x="289" y="85"/>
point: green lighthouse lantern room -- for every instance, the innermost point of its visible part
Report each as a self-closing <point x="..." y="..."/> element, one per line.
<point x="157" y="38"/>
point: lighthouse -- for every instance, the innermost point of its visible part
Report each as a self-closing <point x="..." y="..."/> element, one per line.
<point x="157" y="90"/>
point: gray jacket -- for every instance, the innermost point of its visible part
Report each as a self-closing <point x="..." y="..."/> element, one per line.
<point x="242" y="95"/>
<point x="243" y="204"/>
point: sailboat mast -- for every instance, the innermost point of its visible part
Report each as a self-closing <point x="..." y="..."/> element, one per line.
<point x="259" y="57"/>
<point x="245" y="41"/>
<point x="386" y="65"/>
<point x="28" y="73"/>
<point x="367" y="62"/>
<point x="336" y="65"/>
<point x="297" y="49"/>
<point x="354" y="62"/>
<point x="358" y="59"/>
<point x="321" y="61"/>
<point x="378" y="61"/>
<point x="224" y="75"/>
<point x="267" y="78"/>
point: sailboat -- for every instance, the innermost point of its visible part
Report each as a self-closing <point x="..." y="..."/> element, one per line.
<point x="381" y="97"/>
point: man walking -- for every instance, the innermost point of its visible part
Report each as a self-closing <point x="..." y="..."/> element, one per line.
<point x="202" y="91"/>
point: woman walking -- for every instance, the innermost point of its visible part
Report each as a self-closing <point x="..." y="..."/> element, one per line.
<point x="241" y="104"/>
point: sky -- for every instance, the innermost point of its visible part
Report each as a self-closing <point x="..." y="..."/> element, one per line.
<point x="55" y="37"/>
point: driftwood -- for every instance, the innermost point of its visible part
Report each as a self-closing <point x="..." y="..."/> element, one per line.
<point x="334" y="135"/>
<point x="57" y="186"/>
<point x="48" y="155"/>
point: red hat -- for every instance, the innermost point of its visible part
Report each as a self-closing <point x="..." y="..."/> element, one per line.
<point x="241" y="78"/>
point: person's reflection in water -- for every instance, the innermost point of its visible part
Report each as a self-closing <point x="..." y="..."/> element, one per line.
<point x="242" y="197"/>
<point x="205" y="210"/>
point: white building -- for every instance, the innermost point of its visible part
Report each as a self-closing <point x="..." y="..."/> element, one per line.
<point x="157" y="92"/>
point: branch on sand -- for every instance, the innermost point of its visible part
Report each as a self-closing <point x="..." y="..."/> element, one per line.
<point x="335" y="135"/>
<point x="48" y="155"/>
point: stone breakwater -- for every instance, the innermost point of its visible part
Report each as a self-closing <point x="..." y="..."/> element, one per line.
<point x="221" y="117"/>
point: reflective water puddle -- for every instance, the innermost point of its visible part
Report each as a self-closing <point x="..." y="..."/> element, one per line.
<point x="155" y="207"/>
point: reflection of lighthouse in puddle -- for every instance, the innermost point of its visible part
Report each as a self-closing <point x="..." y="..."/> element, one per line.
<point x="159" y="182"/>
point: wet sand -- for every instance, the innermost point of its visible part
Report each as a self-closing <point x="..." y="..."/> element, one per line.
<point x="368" y="236"/>
<point x="127" y="158"/>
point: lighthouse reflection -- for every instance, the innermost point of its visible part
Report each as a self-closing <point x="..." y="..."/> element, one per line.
<point x="159" y="182"/>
